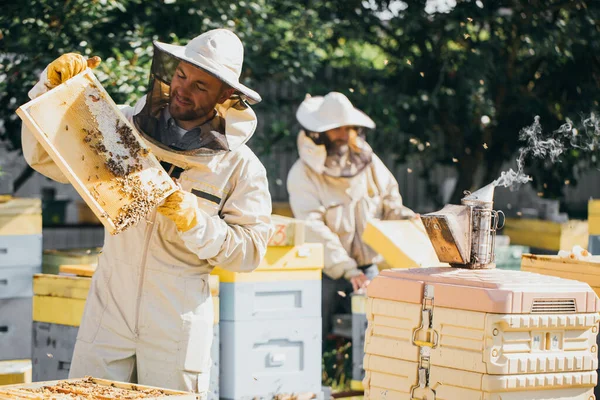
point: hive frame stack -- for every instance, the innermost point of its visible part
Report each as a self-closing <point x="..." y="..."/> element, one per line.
<point x="447" y="333"/>
<point x="270" y="320"/>
<point x="20" y="259"/>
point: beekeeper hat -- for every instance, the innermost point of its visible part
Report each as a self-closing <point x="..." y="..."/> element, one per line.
<point x="219" y="52"/>
<point x="320" y="114"/>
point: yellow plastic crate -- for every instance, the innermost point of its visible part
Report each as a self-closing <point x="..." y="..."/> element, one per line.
<point x="402" y="243"/>
<point x="20" y="217"/>
<point x="60" y="299"/>
<point x="546" y="234"/>
<point x="289" y="263"/>
<point x="15" y="371"/>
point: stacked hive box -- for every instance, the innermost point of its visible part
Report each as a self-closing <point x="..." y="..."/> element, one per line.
<point x="271" y="320"/>
<point x="20" y="258"/>
<point x="594" y="226"/>
<point x="58" y="304"/>
<point x="449" y="333"/>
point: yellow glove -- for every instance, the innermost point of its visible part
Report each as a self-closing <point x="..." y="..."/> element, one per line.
<point x="67" y="66"/>
<point x="180" y="207"/>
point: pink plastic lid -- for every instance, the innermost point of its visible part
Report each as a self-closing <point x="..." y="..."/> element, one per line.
<point x="487" y="290"/>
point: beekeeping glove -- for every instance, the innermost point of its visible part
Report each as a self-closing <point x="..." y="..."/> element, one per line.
<point x="67" y="66"/>
<point x="60" y="70"/>
<point x="181" y="208"/>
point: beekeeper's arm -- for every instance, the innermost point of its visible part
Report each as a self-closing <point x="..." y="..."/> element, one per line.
<point x="390" y="193"/>
<point x="306" y="206"/>
<point x="58" y="71"/>
<point x="236" y="239"/>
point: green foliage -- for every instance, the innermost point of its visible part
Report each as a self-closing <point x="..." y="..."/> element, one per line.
<point x="337" y="365"/>
<point x="450" y="87"/>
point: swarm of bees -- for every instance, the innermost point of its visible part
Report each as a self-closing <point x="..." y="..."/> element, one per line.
<point x="142" y="198"/>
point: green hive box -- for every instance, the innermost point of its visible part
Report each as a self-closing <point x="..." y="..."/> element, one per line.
<point x="53" y="259"/>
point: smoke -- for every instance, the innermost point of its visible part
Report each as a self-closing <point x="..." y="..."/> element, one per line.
<point x="586" y="138"/>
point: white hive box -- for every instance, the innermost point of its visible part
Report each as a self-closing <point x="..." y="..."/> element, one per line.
<point x="479" y="334"/>
<point x="98" y="150"/>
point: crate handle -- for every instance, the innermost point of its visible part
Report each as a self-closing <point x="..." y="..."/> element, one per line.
<point x="3" y="281"/>
<point x="276" y="359"/>
<point x="3" y="250"/>
<point x="64" y="365"/>
<point x="4" y="329"/>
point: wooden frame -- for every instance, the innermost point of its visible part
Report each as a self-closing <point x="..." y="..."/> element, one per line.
<point x="79" y="126"/>
<point x="16" y="392"/>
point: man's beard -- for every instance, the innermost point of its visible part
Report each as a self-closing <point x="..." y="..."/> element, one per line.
<point x="180" y="114"/>
<point x="338" y="147"/>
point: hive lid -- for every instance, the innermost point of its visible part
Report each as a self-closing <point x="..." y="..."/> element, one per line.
<point x="494" y="291"/>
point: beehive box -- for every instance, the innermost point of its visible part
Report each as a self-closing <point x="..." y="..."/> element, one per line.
<point x="91" y="389"/>
<point x="402" y="243"/>
<point x="60" y="299"/>
<point x="546" y="234"/>
<point x="20" y="217"/>
<point x="98" y="150"/>
<point x="303" y="262"/>
<point x="15" y="371"/>
<point x="484" y="334"/>
<point x="15" y="328"/>
<point x="287" y="231"/>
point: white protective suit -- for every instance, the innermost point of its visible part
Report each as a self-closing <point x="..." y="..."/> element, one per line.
<point x="338" y="208"/>
<point x="149" y="312"/>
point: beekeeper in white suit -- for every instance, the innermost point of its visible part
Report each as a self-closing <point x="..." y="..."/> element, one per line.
<point x="338" y="185"/>
<point x="149" y="314"/>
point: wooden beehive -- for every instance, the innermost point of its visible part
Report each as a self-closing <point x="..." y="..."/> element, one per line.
<point x="98" y="150"/>
<point x="89" y="388"/>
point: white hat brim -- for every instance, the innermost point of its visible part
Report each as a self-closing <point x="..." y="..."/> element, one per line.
<point x="212" y="68"/>
<point x="308" y="117"/>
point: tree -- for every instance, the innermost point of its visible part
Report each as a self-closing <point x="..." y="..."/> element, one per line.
<point x="281" y="43"/>
<point x="451" y="86"/>
<point x="463" y="83"/>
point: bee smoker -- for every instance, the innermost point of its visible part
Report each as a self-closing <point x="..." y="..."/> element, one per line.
<point x="464" y="235"/>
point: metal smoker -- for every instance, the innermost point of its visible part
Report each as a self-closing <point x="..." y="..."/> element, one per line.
<point x="464" y="235"/>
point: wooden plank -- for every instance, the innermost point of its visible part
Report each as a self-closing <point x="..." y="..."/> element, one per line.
<point x="71" y="287"/>
<point x="78" y="269"/>
<point x="76" y="123"/>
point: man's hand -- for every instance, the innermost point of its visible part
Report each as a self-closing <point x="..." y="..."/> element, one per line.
<point x="67" y="66"/>
<point x="180" y="207"/>
<point x="359" y="282"/>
